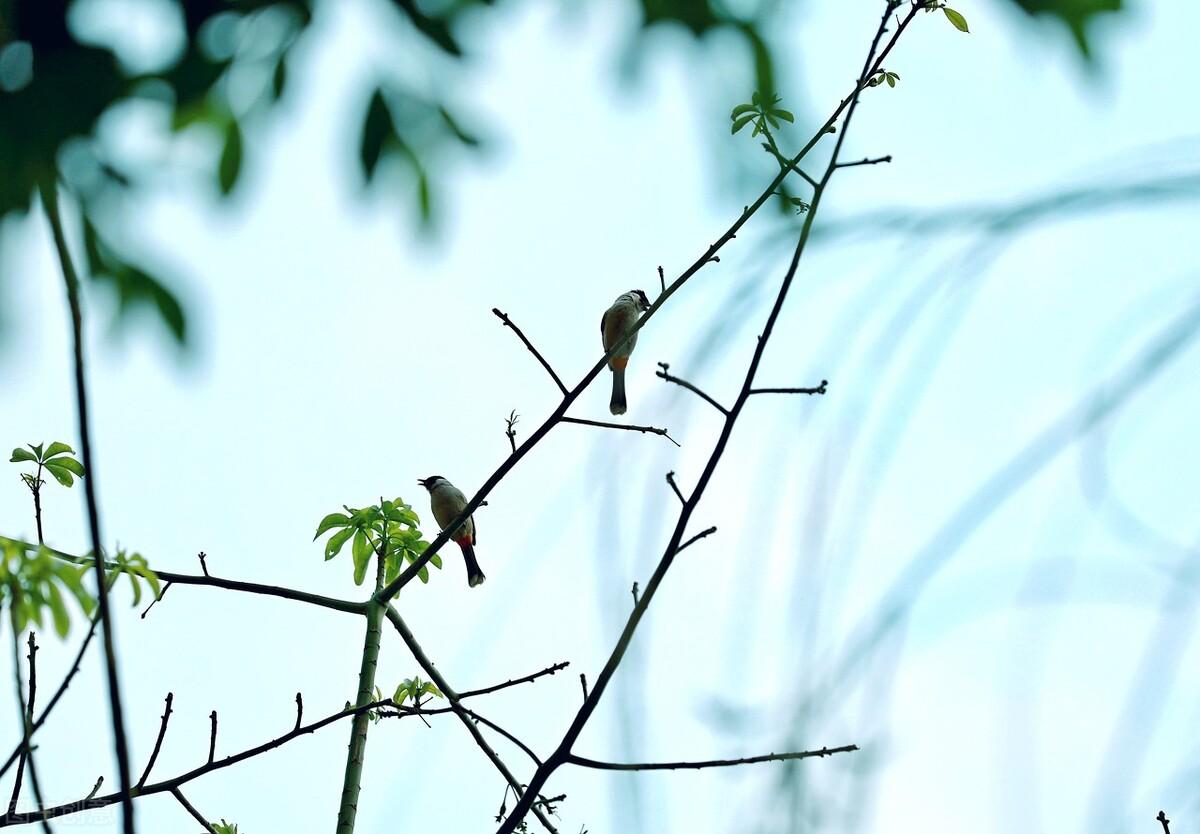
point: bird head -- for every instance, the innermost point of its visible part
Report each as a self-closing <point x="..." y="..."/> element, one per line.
<point x="643" y="302"/>
<point x="430" y="482"/>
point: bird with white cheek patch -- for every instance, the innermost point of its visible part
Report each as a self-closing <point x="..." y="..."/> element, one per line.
<point x="447" y="502"/>
<point x="618" y="320"/>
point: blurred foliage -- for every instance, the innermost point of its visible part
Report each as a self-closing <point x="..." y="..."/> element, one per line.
<point x="230" y="71"/>
<point x="33" y="582"/>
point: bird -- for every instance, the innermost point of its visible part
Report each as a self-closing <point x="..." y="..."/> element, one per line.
<point x="447" y="501"/>
<point x="614" y="325"/>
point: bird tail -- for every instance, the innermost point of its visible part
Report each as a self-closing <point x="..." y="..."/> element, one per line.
<point x="474" y="574"/>
<point x="617" y="404"/>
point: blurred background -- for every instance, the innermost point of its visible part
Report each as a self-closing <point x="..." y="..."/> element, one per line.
<point x="976" y="557"/>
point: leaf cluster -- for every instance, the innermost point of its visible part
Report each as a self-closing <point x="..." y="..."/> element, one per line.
<point x="224" y="827"/>
<point x="33" y="581"/>
<point x="415" y="689"/>
<point x="761" y="110"/>
<point x="57" y="459"/>
<point x="389" y="529"/>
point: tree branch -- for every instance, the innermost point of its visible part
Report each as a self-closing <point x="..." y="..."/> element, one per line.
<point x="212" y="736"/>
<point x="549" y="670"/>
<point x="162" y="731"/>
<point x="820" y="389"/>
<point x="49" y="192"/>
<point x="427" y="665"/>
<point x="196" y="815"/>
<point x="602" y="425"/>
<point x="25" y="711"/>
<point x="509" y="428"/>
<point x="1166" y="823"/>
<point x="770" y="757"/>
<point x="509" y="323"/>
<point x="701" y="535"/>
<point x="663" y="374"/>
<point x="675" y="487"/>
<point x="864" y="161"/>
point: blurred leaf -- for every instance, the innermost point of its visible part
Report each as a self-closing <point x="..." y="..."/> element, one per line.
<point x="377" y="128"/>
<point x="468" y="139"/>
<point x="58" y="610"/>
<point x="1077" y="15"/>
<point x="741" y="123"/>
<point x="279" y="78"/>
<point x="231" y="158"/>
<point x="437" y="29"/>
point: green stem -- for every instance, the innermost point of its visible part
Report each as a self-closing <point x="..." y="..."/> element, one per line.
<point x="362" y="722"/>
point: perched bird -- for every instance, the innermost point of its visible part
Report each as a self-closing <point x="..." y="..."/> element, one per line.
<point x="447" y="501"/>
<point x="616" y="323"/>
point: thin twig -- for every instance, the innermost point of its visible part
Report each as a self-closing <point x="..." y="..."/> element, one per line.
<point x="524" y="747"/>
<point x="154" y="602"/>
<point x="212" y="736"/>
<point x="865" y="161"/>
<point x="511" y="433"/>
<point x="771" y="757"/>
<point x="702" y="534"/>
<point x="509" y="323"/>
<point x="27" y="713"/>
<point x="583" y="684"/>
<point x="549" y="670"/>
<point x="1166" y="823"/>
<point x="663" y="374"/>
<point x="662" y="280"/>
<point x="196" y="815"/>
<point x="634" y="591"/>
<point x="603" y="425"/>
<point x="299" y="710"/>
<point x="675" y="487"/>
<point x="820" y="389"/>
<point x="49" y="192"/>
<point x="162" y="731"/>
<point x="203" y="565"/>
<point x="95" y="789"/>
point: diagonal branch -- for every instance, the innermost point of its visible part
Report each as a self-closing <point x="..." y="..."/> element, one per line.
<point x="509" y="323"/>
<point x="864" y="161"/>
<point x="25" y="712"/>
<point x="663" y="374"/>
<point x="703" y="534"/>
<point x="675" y="487"/>
<point x="196" y="815"/>
<point x="27" y="717"/>
<point x="579" y="421"/>
<point x="549" y="670"/>
<point x="162" y="732"/>
<point x="770" y="757"/>
<point x="427" y="665"/>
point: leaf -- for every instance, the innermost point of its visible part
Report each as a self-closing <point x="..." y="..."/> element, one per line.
<point x="786" y="115"/>
<point x="436" y="559"/>
<point x="377" y="128"/>
<point x="361" y="551"/>
<point x="423" y="573"/>
<point x="891" y="82"/>
<point x="960" y="22"/>
<point x="279" y="78"/>
<point x="467" y="138"/>
<point x="37" y="450"/>
<point x="60" y="473"/>
<point x="57" y="448"/>
<point x="330" y="521"/>
<point x="137" y="588"/>
<point x="231" y="158"/>
<point x="741" y="123"/>
<point x="334" y="546"/>
<point x="70" y="464"/>
<point x="58" y="609"/>
<point x="20" y="455"/>
<point x="423" y="198"/>
<point x="1076" y="15"/>
<point x="740" y="109"/>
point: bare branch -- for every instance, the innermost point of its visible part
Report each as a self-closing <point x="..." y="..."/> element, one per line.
<point x="603" y="425"/>
<point x="162" y="731"/>
<point x="770" y="757"/>
<point x="26" y="713"/>
<point x="583" y="684"/>
<point x="820" y="389"/>
<point x="154" y="601"/>
<point x="509" y="323"/>
<point x="662" y="280"/>
<point x="196" y="815"/>
<point x="1166" y="823"/>
<point x="95" y="788"/>
<point x="864" y="161"/>
<point x="701" y="535"/>
<point x="212" y="738"/>
<point x="299" y="710"/>
<point x="549" y="670"/>
<point x="663" y="374"/>
<point x="203" y="565"/>
<point x="675" y="486"/>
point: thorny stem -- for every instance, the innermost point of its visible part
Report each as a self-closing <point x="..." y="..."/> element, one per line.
<point x="49" y="192"/>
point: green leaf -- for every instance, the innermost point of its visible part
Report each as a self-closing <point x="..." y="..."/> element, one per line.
<point x="361" y="551"/>
<point x="37" y="450"/>
<point x="137" y="587"/>
<point x="70" y="464"/>
<point x="334" y="546"/>
<point x="377" y="129"/>
<point x="20" y="456"/>
<point x="891" y="81"/>
<point x="741" y="123"/>
<point x="423" y="573"/>
<point x="1076" y="15"/>
<point x="786" y="115"/>
<point x="960" y="22"/>
<point x="57" y="448"/>
<point x="62" y="621"/>
<point x="330" y="521"/>
<point x="231" y="157"/>
<point x="279" y="78"/>
<point x="424" y="203"/>
<point x="60" y="473"/>
<point x="435" y="559"/>
<point x="740" y="109"/>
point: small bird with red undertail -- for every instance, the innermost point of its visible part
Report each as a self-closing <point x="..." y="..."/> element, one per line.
<point x="447" y="501"/>
<point x="614" y="330"/>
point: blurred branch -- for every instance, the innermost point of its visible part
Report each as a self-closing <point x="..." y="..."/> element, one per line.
<point x="864" y="161"/>
<point x="770" y="757"/>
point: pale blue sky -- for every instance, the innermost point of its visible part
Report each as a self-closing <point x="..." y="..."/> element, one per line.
<point x="339" y="358"/>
